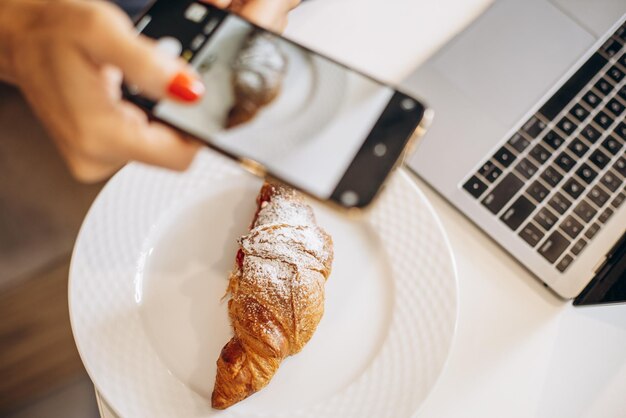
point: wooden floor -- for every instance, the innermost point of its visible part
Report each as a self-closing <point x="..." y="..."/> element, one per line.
<point x="41" y="209"/>
<point x="37" y="351"/>
<point x="41" y="205"/>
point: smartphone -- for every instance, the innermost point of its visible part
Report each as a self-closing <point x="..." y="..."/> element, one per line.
<point x="281" y="110"/>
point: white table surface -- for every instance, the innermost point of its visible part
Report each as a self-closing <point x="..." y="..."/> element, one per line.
<point x="519" y="350"/>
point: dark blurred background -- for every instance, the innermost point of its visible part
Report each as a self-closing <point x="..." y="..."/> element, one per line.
<point x="41" y="209"/>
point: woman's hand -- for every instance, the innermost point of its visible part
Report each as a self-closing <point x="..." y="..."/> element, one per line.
<point x="69" y="56"/>
<point x="270" y="14"/>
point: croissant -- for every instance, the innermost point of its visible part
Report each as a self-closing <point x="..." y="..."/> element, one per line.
<point x="258" y="72"/>
<point x="276" y="293"/>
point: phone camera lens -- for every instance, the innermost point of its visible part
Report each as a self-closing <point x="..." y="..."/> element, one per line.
<point x="380" y="150"/>
<point x="196" y="12"/>
<point x="170" y="46"/>
<point x="349" y="198"/>
<point x="407" y="104"/>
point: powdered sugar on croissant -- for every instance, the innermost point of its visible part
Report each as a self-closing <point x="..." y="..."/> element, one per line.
<point x="277" y="293"/>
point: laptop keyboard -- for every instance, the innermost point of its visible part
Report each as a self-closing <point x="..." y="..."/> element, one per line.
<point x="559" y="179"/>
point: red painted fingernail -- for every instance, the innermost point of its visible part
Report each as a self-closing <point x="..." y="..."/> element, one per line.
<point x="186" y="87"/>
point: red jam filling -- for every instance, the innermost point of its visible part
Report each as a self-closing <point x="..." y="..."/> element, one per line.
<point x="264" y="196"/>
<point x="239" y="258"/>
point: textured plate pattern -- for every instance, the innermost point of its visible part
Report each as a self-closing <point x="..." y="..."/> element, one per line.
<point x="130" y="375"/>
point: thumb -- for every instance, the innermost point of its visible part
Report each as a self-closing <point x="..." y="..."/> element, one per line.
<point x="155" y="73"/>
<point x="269" y="14"/>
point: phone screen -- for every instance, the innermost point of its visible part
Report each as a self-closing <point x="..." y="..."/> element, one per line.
<point x="302" y="116"/>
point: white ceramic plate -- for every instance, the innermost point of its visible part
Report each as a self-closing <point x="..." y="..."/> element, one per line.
<point x="151" y="264"/>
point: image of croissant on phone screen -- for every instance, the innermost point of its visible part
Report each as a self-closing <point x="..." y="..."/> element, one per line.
<point x="258" y="72"/>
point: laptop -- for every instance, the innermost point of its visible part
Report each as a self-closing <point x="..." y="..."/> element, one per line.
<point x="529" y="138"/>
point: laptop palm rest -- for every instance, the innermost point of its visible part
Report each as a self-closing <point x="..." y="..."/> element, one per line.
<point x="487" y="79"/>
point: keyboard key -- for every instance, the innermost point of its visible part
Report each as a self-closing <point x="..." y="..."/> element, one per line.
<point x="604" y="216"/>
<point x="603" y="86"/>
<point x="590" y="133"/>
<point x="615" y="107"/>
<point x="573" y="188"/>
<point x="620" y="166"/>
<point x="533" y="127"/>
<point x="620" y="131"/>
<point x="526" y="168"/>
<point x="578" y="246"/>
<point x="490" y="172"/>
<point x="545" y="218"/>
<point x="553" y="140"/>
<point x="517" y="212"/>
<point x="599" y="159"/>
<point x="551" y="176"/>
<point x="559" y="203"/>
<point x="592" y="230"/>
<point x="603" y="120"/>
<point x="565" y="161"/>
<point x="564" y="263"/>
<point x="540" y="154"/>
<point x="585" y="211"/>
<point x="571" y="226"/>
<point x="518" y="142"/>
<point x="537" y="191"/>
<point x="586" y="173"/>
<point x="611" y="144"/>
<point x="579" y="112"/>
<point x="619" y="199"/>
<point x="598" y="196"/>
<point x="573" y="86"/>
<point x="502" y="193"/>
<point x="504" y="157"/>
<point x="493" y="174"/>
<point x="475" y="186"/>
<point x="578" y="147"/>
<point x="611" y="47"/>
<point x="531" y="234"/>
<point x="553" y="247"/>
<point x="611" y="181"/>
<point x="566" y="125"/>
<point x="615" y="73"/>
<point x="591" y="99"/>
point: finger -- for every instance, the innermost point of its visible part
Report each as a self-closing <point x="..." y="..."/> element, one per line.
<point x="218" y="3"/>
<point x="154" y="143"/>
<point x="88" y="170"/>
<point x="294" y="3"/>
<point x="153" y="72"/>
<point x="113" y="78"/>
<point x="108" y="132"/>
<point x="82" y="99"/>
<point x="281" y="25"/>
<point x="270" y="14"/>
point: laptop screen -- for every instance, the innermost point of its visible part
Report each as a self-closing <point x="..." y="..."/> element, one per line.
<point x="609" y="285"/>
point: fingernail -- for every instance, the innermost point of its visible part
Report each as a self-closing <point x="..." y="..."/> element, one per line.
<point x="186" y="87"/>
